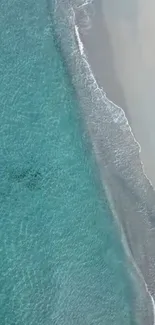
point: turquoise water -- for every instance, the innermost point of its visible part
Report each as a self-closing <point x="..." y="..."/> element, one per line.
<point x="61" y="259"/>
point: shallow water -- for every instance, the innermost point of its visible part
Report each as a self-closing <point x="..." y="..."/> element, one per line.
<point x="62" y="261"/>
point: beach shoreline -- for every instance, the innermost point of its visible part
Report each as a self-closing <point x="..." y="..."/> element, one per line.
<point x="129" y="192"/>
<point x="95" y="44"/>
<point x="124" y="74"/>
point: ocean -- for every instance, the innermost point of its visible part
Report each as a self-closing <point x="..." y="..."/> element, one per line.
<point x="62" y="258"/>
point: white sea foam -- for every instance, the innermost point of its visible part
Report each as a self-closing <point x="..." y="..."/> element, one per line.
<point x="153" y="304"/>
<point x="81" y="49"/>
<point x="84" y="3"/>
<point x="80" y="44"/>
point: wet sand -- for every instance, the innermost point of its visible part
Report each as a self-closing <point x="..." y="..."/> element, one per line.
<point x="120" y="47"/>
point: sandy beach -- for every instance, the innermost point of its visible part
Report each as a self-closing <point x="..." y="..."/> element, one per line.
<point x="121" y="49"/>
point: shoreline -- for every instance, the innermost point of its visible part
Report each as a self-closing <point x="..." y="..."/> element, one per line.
<point x="128" y="190"/>
<point x="98" y="56"/>
<point x="126" y="244"/>
<point x="94" y="49"/>
<point x="85" y="47"/>
<point x="124" y="74"/>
